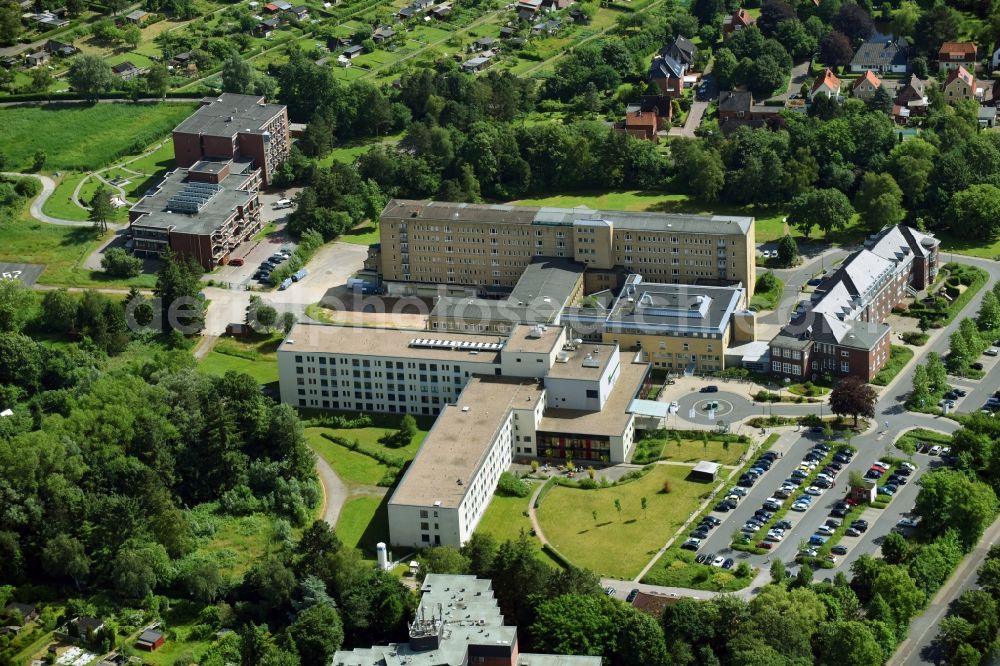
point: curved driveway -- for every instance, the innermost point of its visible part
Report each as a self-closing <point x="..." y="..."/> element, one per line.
<point x="48" y="187"/>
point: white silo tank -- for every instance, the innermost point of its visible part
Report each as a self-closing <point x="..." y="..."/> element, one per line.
<point x="383" y="556"/>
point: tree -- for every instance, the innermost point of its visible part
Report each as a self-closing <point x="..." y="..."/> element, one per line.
<point x="90" y="76"/>
<point x="237" y="75"/>
<point x="65" y="556"/>
<point x="788" y="250"/>
<point x="766" y="75"/>
<point x="881" y="101"/>
<point x="960" y="355"/>
<point x="116" y="262"/>
<point x="847" y="642"/>
<point x="853" y="397"/>
<point x="641" y="641"/>
<point x="266" y="316"/>
<point x="777" y="571"/>
<point x="17" y="305"/>
<point x="854" y="22"/>
<point x="879" y="201"/>
<point x="10" y="21"/>
<point x="101" y="209"/>
<point x="767" y="282"/>
<point x="989" y="312"/>
<point x="131" y="35"/>
<point x="896" y="549"/>
<point x="921" y="386"/>
<point x="827" y="209"/>
<point x="899" y="593"/>
<point x="975" y="212"/>
<point x="157" y="80"/>
<point x="178" y="284"/>
<point x="578" y="624"/>
<point x="935" y="26"/>
<point x="772" y="14"/>
<point x="835" y="50"/>
<point x="618" y="507"/>
<point x="59" y="311"/>
<point x="949" y="499"/>
<point x="317" y="633"/>
<point x="700" y="170"/>
<point x="444" y="560"/>
<point x="288" y="321"/>
<point x="937" y="375"/>
<point x="41" y="79"/>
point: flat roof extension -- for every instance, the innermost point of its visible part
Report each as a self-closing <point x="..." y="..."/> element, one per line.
<point x="230" y="114"/>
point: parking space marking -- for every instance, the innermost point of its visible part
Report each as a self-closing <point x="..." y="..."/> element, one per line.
<point x="26" y="273"/>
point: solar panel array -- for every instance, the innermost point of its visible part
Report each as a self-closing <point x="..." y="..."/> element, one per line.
<point x="456" y="344"/>
<point x="193" y="197"/>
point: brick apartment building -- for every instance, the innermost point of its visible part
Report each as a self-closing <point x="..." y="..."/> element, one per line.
<point x="235" y="127"/>
<point x="843" y="330"/>
<point x="203" y="212"/>
<point x="478" y="249"/>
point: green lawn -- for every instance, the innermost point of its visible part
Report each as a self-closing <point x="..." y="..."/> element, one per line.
<point x="899" y="356"/>
<point x="264" y="371"/>
<point x="237" y="541"/>
<point x="352" y="467"/>
<point x="693" y="450"/>
<point x="382" y="424"/>
<point x="619" y="545"/>
<point x="950" y="243"/>
<point x="768" y="300"/>
<point x="363" y="522"/>
<point x="768" y="226"/>
<point x="83" y="137"/>
<point x="505" y="520"/>
<point x="365" y="234"/>
<point x="60" y="204"/>
<point x="182" y="647"/>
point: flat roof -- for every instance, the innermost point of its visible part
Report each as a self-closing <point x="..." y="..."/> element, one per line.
<point x="362" y="341"/>
<point x="460" y="439"/>
<point x="159" y="212"/>
<point x="706" y="467"/>
<point x="588" y="361"/>
<point x="610" y="421"/>
<point x="229" y="114"/>
<point x="547" y="215"/>
<point x="527" y="339"/>
<point x="675" y="307"/>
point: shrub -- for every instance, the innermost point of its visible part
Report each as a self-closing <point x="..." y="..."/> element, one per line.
<point x="666" y="486"/>
<point x="914" y="338"/>
<point x="118" y="263"/>
<point x="511" y="486"/>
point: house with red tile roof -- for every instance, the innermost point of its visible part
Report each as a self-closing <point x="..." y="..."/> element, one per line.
<point x="737" y="21"/>
<point x="959" y="85"/>
<point x="827" y="83"/>
<point x="953" y="55"/>
<point x="864" y="88"/>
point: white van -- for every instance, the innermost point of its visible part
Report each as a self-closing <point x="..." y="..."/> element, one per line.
<point x="283" y="203"/>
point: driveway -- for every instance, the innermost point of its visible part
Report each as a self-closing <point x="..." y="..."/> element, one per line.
<point x="48" y="187"/>
<point x="692" y="121"/>
<point x="799" y="75"/>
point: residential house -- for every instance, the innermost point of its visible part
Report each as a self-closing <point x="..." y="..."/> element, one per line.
<point x="682" y="50"/>
<point x="150" y="640"/>
<point x="653" y="602"/>
<point x="556" y="5"/>
<point x="271" y="8"/>
<point x="86" y="626"/>
<point x="507" y="32"/>
<point x="138" y="17"/>
<point x="864" y="88"/>
<point x="667" y="74"/>
<point x="953" y="55"/>
<point x="639" y="124"/>
<point x="987" y="117"/>
<point x="442" y="11"/>
<point x="737" y="109"/>
<point x="546" y="27"/>
<point x="49" y="20"/>
<point x="300" y="12"/>
<point x="28" y="612"/>
<point x="352" y="52"/>
<point x="383" y="34"/>
<point x="995" y="61"/>
<point x="181" y="59"/>
<point x="826" y="83"/>
<point x="334" y="43"/>
<point x="476" y="64"/>
<point x="60" y="48"/>
<point x="910" y="101"/>
<point x="35" y="59"/>
<point x="738" y="20"/>
<point x="282" y="5"/>
<point x="883" y="54"/>
<point x="959" y="85"/>
<point x="406" y="13"/>
<point x="125" y="70"/>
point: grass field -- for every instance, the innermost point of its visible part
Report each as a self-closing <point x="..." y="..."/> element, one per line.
<point x="769" y="223"/>
<point x="264" y="371"/>
<point x="899" y="356"/>
<point x="677" y="568"/>
<point x="768" y="300"/>
<point x="60" y="204"/>
<point x="366" y="234"/>
<point x="619" y="544"/>
<point x="363" y="522"/>
<point x="238" y="541"/>
<point x="950" y="243"/>
<point x="182" y="646"/>
<point x="353" y="468"/>
<point x="83" y="137"/>
<point x="505" y="520"/>
<point x="693" y="450"/>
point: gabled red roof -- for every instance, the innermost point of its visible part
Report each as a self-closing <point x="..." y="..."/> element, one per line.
<point x="870" y="78"/>
<point x="960" y="73"/>
<point x="742" y="17"/>
<point x="966" y="50"/>
<point x="829" y="78"/>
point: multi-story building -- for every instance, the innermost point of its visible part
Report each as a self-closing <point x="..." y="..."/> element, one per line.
<point x="842" y="331"/>
<point x="203" y="212"/>
<point x="457" y="623"/>
<point x="680" y="328"/>
<point x="236" y="127"/>
<point x="532" y="393"/>
<point x="453" y="248"/>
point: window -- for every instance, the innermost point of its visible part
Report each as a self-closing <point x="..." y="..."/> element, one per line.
<point x="845" y="366"/>
<point x="592" y="393"/>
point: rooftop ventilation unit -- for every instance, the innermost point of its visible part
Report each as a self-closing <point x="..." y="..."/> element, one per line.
<point x="424" y="343"/>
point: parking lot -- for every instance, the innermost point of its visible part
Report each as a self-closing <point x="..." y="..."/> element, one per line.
<point x="26" y="273"/>
<point x="801" y="525"/>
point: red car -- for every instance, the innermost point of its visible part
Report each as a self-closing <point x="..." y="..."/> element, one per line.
<point x="766" y="545"/>
<point x="236" y="262"/>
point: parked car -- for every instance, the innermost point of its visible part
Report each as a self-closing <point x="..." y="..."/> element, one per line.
<point x="935" y="450"/>
<point x="817" y="540"/>
<point x="700" y="558"/>
<point x="610" y="591"/>
<point x="237" y="261"/>
<point x="282" y="203"/>
<point x="729" y="563"/>
<point x="633" y="593"/>
<point x="718" y="561"/>
<point x="860" y="524"/>
<point x="711" y="520"/>
<point x="906" y="522"/>
<point x="711" y="388"/>
<point x="691" y="544"/>
<point x="825" y="530"/>
<point x="766" y="545"/>
<point x="724" y="506"/>
<point x="839" y="550"/>
<point x="992" y="351"/>
<point x="976" y="366"/>
<point x="852" y="532"/>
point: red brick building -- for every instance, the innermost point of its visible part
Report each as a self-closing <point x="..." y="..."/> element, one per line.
<point x="842" y="332"/>
<point x="235" y="127"/>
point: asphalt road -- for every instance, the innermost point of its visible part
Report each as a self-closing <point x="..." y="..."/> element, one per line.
<point x="26" y="273"/>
